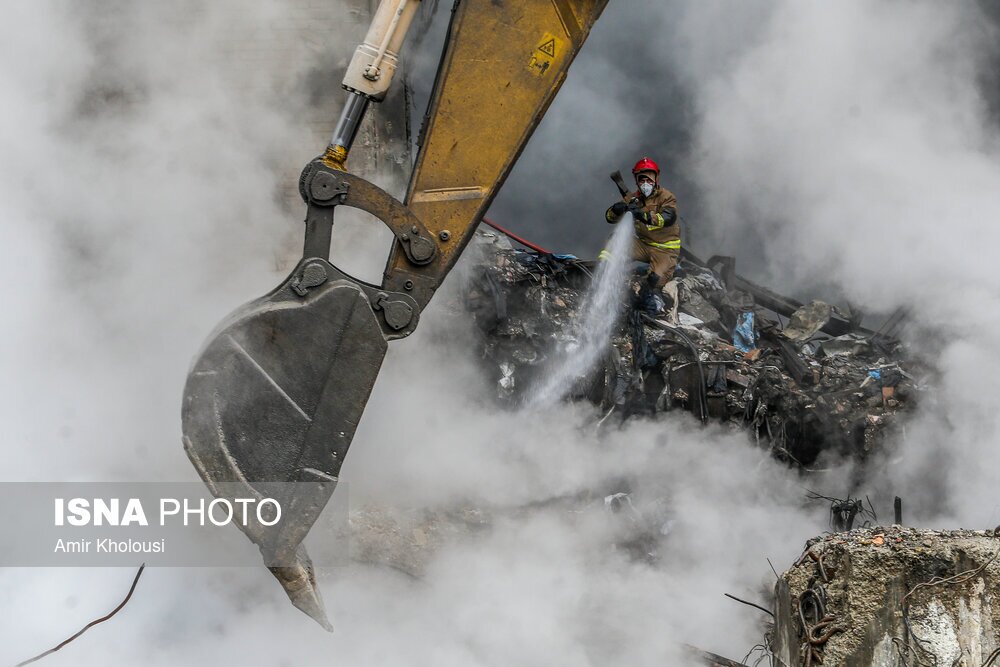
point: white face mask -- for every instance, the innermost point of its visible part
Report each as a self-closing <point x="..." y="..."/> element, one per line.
<point x="646" y="189"/>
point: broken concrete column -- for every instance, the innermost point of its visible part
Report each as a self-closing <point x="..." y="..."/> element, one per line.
<point x="891" y="597"/>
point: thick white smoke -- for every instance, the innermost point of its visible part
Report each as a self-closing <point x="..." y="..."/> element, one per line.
<point x="855" y="140"/>
<point x="140" y="202"/>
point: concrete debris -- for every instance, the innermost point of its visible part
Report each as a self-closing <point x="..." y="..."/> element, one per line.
<point x="848" y="344"/>
<point x="801" y="389"/>
<point x="807" y="321"/>
<point x="407" y="540"/>
<point x="891" y="596"/>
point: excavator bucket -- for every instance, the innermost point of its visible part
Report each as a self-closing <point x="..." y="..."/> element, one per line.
<point x="273" y="399"/>
<point x="277" y="392"/>
<point x="276" y="396"/>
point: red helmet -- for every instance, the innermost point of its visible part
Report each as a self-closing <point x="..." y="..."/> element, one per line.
<point x="645" y="164"/>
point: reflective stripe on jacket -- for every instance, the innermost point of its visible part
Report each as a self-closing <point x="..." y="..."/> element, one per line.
<point x="669" y="245"/>
<point x="658" y="234"/>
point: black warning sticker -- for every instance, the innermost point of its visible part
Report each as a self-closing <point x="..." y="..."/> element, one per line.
<point x="544" y="55"/>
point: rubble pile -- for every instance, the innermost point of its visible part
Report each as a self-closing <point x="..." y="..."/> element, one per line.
<point x="803" y="378"/>
<point x="406" y="540"/>
<point x="890" y="596"/>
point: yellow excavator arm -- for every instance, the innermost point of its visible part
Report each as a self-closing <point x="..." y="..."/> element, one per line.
<point x="502" y="66"/>
<point x="273" y="399"/>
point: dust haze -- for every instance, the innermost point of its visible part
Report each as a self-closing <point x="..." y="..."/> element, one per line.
<point x="143" y="193"/>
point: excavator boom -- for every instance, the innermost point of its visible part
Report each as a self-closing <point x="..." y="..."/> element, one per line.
<point x="279" y="388"/>
<point x="502" y="66"/>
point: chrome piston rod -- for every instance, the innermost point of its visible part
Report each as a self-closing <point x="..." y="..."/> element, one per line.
<point x="350" y="120"/>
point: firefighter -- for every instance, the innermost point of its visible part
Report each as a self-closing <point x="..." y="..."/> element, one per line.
<point x="657" y="229"/>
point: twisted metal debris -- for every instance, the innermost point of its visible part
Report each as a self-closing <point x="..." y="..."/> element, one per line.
<point x="809" y="380"/>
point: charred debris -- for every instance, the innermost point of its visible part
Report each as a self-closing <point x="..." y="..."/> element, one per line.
<point x="801" y="378"/>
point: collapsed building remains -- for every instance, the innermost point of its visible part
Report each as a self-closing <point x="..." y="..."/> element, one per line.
<point x="890" y="597"/>
<point x="803" y="378"/>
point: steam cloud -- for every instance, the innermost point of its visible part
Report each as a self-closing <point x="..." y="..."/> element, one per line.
<point x="140" y="192"/>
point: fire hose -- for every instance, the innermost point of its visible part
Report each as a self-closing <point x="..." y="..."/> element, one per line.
<point x="510" y="234"/>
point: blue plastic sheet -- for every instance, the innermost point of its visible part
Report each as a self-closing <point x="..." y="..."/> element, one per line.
<point x="744" y="338"/>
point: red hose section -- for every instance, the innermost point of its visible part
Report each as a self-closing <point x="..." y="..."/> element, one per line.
<point x="524" y="242"/>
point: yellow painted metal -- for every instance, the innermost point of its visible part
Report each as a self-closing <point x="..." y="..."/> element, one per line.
<point x="335" y="157"/>
<point x="504" y="62"/>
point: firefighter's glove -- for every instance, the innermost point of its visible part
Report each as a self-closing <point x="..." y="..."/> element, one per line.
<point x="618" y="208"/>
<point x="641" y="216"/>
